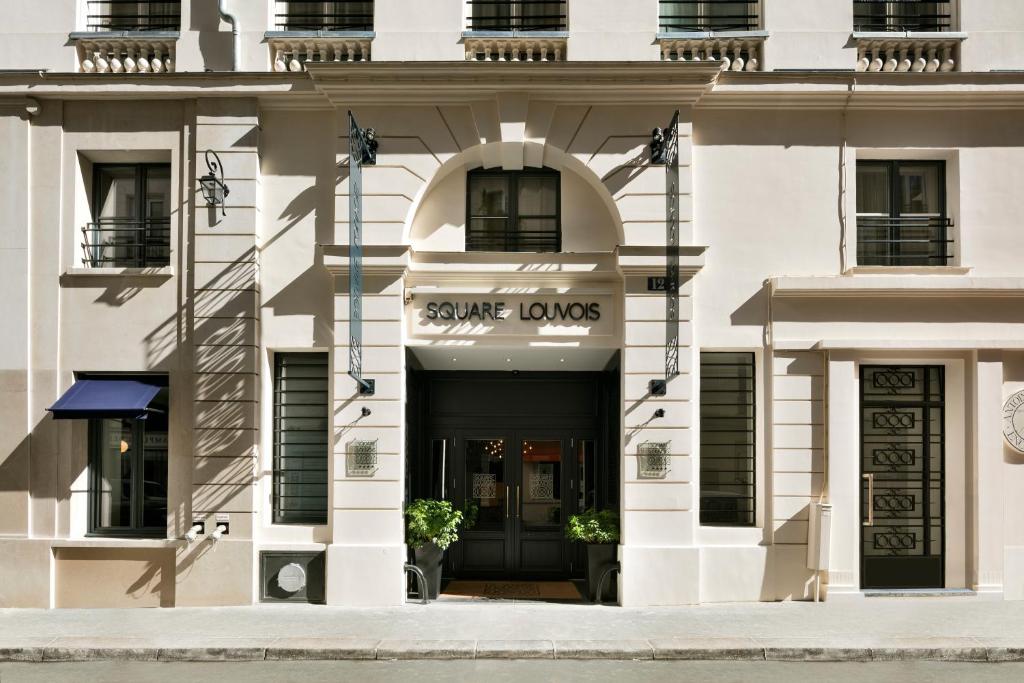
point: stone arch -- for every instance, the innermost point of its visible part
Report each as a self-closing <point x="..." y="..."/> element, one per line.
<point x="424" y="218"/>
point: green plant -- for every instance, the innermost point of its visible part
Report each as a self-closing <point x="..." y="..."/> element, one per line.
<point x="432" y="521"/>
<point x="594" y="527"/>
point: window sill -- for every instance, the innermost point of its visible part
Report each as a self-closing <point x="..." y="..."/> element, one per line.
<point x="908" y="270"/>
<point x="516" y="34"/>
<point x="291" y="35"/>
<point x="909" y="35"/>
<point x="156" y="272"/>
<point x="710" y="35"/>
<point x="115" y="542"/>
<point x="77" y="36"/>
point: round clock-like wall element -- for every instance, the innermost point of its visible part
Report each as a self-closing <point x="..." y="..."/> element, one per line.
<point x="291" y="578"/>
<point x="1013" y="421"/>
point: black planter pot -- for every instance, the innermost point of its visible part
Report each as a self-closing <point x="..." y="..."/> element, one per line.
<point x="599" y="555"/>
<point x="429" y="558"/>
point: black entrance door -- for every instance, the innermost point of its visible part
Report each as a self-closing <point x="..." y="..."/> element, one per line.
<point x="517" y="482"/>
<point x="902" y="483"/>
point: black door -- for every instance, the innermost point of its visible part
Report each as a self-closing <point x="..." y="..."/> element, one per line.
<point x="521" y="483"/>
<point x="902" y="483"/>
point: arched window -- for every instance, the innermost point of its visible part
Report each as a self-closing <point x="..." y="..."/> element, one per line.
<point x="514" y="210"/>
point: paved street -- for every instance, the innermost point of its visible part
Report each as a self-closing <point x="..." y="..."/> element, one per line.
<point x="502" y="672"/>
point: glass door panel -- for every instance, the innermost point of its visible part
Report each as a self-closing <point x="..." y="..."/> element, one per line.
<point x="541" y="505"/>
<point x="486" y="486"/>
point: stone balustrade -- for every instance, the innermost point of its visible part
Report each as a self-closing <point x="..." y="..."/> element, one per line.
<point x="907" y="54"/>
<point x="291" y="54"/>
<point x="135" y="55"/>
<point x="735" y="54"/>
<point x="515" y="49"/>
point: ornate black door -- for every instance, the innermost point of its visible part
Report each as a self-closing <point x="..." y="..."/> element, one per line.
<point x="902" y="483"/>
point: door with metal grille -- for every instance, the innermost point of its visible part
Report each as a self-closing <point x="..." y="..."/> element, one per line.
<point x="902" y="483"/>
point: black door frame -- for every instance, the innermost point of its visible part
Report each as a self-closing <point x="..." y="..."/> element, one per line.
<point x="925" y="405"/>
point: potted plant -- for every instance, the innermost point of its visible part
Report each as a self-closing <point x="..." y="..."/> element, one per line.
<point x="600" y="531"/>
<point x="430" y="527"/>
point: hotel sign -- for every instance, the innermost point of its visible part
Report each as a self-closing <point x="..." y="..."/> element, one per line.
<point x="513" y="314"/>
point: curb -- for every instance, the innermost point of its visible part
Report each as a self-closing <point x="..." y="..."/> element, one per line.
<point x="329" y="650"/>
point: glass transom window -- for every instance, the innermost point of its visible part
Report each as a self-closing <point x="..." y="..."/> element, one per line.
<point x="514" y="211"/>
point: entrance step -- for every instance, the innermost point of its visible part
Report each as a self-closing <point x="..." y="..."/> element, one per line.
<point x="921" y="593"/>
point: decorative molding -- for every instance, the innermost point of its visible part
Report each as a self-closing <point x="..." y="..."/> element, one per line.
<point x="895" y="286"/>
<point x="292" y="50"/>
<point x="129" y="52"/>
<point x="734" y="50"/>
<point x="25" y="107"/>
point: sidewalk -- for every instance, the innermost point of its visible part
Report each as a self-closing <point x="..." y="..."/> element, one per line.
<point x="870" y="629"/>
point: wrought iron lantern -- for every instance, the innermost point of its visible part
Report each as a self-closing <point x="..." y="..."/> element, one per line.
<point x="654" y="459"/>
<point x="214" y="190"/>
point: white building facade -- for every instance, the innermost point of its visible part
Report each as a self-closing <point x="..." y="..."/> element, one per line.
<point x="181" y="406"/>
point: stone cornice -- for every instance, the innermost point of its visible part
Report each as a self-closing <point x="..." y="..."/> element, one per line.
<point x="896" y="287"/>
<point x="19" y="106"/>
<point x="446" y="82"/>
<point x="650" y="261"/>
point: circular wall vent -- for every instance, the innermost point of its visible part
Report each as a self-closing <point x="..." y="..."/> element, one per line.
<point x="291" y="578"/>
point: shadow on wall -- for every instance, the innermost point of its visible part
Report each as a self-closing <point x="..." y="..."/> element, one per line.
<point x="214" y="45"/>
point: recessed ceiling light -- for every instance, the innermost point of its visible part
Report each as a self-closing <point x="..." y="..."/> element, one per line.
<point x="561" y="360"/>
<point x="508" y="360"/>
<point x="454" y="359"/>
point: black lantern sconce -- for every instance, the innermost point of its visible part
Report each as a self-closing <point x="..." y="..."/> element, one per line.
<point x="214" y="190"/>
<point x="659" y="146"/>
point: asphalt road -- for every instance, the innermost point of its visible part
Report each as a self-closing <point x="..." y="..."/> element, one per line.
<point x="502" y="672"/>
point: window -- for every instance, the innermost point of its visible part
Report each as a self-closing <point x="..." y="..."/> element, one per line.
<point x="901" y="15"/>
<point x="514" y="211"/>
<point x="707" y="15"/>
<point x="727" y="456"/>
<point x="128" y="473"/>
<point x="133" y="15"/>
<point x="517" y="15"/>
<point x="901" y="214"/>
<point x="324" y="16"/>
<point x="131" y="225"/>
<point x="301" y="438"/>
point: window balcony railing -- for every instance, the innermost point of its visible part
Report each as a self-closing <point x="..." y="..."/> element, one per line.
<point x="516" y="15"/>
<point x="903" y="241"/>
<point x="902" y="15"/>
<point x="518" y="241"/>
<point x="127" y="243"/>
<point x="324" y="16"/>
<point x="133" y="15"/>
<point x="691" y="16"/>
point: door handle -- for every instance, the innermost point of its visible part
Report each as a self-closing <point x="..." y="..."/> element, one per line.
<point x="518" y="511"/>
<point x="506" y="500"/>
<point x="870" y="478"/>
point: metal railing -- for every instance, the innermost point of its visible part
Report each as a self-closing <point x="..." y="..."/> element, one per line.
<point x="127" y="243"/>
<point x="324" y="16"/>
<point x="133" y="15"/>
<point x="516" y="15"/>
<point x="902" y="15"/>
<point x="513" y="241"/>
<point x="708" y="15"/>
<point x="903" y="241"/>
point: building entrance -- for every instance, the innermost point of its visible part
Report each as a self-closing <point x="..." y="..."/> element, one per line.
<point x="521" y="453"/>
<point x="902" y="483"/>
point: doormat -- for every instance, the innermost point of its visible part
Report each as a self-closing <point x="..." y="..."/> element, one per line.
<point x="513" y="590"/>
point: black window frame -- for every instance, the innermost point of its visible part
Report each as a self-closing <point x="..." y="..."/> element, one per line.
<point x="511" y="233"/>
<point x="894" y="22"/>
<point x="279" y="513"/>
<point x="705" y="513"/>
<point x="144" y="22"/>
<point x="155" y="232"/>
<point x="345" y="20"/>
<point x="137" y="487"/>
<point x="516" y="20"/>
<point x="751" y="21"/>
<point x="942" y="223"/>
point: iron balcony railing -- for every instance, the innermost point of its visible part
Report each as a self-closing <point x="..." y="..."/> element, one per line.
<point x="903" y="241"/>
<point x="324" y="16"/>
<point x="547" y="241"/>
<point x="901" y="15"/>
<point x="708" y="15"/>
<point x="516" y="15"/>
<point x="127" y="243"/>
<point x="133" y="15"/>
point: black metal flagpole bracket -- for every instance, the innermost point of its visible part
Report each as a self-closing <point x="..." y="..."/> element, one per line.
<point x="362" y="148"/>
<point x="665" y="150"/>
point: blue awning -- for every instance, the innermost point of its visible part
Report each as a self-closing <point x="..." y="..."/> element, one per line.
<point x="99" y="398"/>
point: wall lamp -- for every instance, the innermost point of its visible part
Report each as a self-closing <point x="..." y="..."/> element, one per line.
<point x="214" y="190"/>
